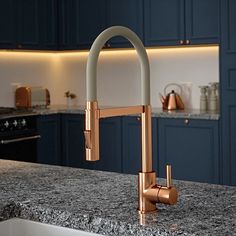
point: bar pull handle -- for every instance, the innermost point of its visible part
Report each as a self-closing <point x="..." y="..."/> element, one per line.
<point x="168" y="176"/>
<point x="15" y="140"/>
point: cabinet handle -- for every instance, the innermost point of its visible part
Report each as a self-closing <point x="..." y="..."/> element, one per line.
<point x="138" y="118"/>
<point x="186" y="121"/>
<point x="15" y="140"/>
<point x="187" y="42"/>
<point x="181" y="42"/>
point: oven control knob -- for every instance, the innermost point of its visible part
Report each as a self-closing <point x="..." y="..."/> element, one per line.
<point x="15" y="123"/>
<point x="6" y="124"/>
<point x="23" y="122"/>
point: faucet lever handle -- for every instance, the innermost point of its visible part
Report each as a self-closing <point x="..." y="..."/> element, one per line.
<point x="168" y="176"/>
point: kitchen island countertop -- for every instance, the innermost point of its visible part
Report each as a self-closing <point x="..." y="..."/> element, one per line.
<point x="106" y="203"/>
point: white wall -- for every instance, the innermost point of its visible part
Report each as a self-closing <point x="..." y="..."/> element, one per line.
<point x="118" y="73"/>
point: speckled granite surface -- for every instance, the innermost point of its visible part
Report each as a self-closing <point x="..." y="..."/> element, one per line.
<point x="186" y="114"/>
<point x="156" y="112"/>
<point x="106" y="203"/>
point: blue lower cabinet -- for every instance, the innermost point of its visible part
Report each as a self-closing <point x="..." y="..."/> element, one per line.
<point x="191" y="147"/>
<point x="132" y="144"/>
<point x="49" y="145"/>
<point x="110" y="145"/>
<point x="228" y="90"/>
<point x="73" y="143"/>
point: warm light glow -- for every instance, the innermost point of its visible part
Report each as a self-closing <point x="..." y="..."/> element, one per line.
<point x="149" y="50"/>
<point x="184" y="49"/>
<point x="4" y="53"/>
<point x="110" y="52"/>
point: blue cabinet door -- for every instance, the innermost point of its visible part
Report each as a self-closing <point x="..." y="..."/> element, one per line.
<point x="36" y="24"/>
<point x="132" y="145"/>
<point x="163" y="22"/>
<point x="228" y="90"/>
<point x="48" y="24"/>
<point x="202" y="19"/>
<point x="73" y="143"/>
<point x="128" y="13"/>
<point x="8" y="24"/>
<point x="178" y="22"/>
<point x="191" y="147"/>
<point x="28" y="24"/>
<point x="80" y="22"/>
<point x="49" y="145"/>
<point x="110" y="145"/>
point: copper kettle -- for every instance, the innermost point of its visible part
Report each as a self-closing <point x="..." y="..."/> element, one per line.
<point x="172" y="100"/>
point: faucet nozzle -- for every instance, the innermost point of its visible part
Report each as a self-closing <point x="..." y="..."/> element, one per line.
<point x="91" y="132"/>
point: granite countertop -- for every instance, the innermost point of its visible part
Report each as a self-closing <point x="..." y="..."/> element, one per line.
<point x="156" y="112"/>
<point x="106" y="203"/>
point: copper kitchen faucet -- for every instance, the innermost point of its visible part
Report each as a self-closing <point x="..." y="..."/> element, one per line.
<point x="149" y="192"/>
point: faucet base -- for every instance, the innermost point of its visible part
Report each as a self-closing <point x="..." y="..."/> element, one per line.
<point x="150" y="193"/>
<point x="146" y="181"/>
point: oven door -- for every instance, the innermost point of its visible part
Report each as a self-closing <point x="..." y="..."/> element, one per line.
<point x="19" y="148"/>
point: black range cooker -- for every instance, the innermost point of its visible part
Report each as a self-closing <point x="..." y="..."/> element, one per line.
<point x="18" y="134"/>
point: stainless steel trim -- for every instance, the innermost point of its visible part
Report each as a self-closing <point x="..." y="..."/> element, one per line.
<point x="20" y="139"/>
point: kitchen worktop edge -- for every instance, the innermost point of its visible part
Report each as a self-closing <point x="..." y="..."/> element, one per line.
<point x="156" y="112"/>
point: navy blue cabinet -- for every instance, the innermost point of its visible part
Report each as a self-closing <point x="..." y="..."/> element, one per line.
<point x="48" y="24"/>
<point x="74" y="24"/>
<point x="128" y="13"/>
<point x="202" y="21"/>
<point x="36" y="24"/>
<point x="28" y="24"/>
<point x="132" y="145"/>
<point x="110" y="145"/>
<point x="178" y="22"/>
<point x="49" y="145"/>
<point x="80" y="22"/>
<point x="163" y="22"/>
<point x="8" y="24"/>
<point x="228" y="90"/>
<point x="73" y="143"/>
<point x="191" y="147"/>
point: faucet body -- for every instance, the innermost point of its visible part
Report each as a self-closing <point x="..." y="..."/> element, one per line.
<point x="149" y="192"/>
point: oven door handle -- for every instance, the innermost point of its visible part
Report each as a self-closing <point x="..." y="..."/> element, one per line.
<point x="7" y="141"/>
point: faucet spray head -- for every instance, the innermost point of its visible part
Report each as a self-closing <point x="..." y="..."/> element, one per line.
<point x="91" y="132"/>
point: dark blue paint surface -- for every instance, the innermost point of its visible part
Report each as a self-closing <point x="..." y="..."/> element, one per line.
<point x="49" y="145"/>
<point x="228" y="90"/>
<point x="168" y="22"/>
<point x="192" y="149"/>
